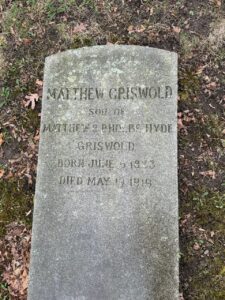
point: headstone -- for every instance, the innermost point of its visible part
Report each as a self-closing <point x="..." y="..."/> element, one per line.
<point x="106" y="204"/>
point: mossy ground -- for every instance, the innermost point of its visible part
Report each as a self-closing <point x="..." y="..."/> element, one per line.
<point x="31" y="30"/>
<point x="203" y="251"/>
<point x="16" y="201"/>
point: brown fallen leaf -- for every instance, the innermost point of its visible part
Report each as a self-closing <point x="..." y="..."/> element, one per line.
<point x="1" y="173"/>
<point x="196" y="246"/>
<point x="209" y="173"/>
<point x="130" y="29"/>
<point x="24" y="281"/>
<point x="218" y="3"/>
<point x="15" y="270"/>
<point x="12" y="31"/>
<point x="211" y="85"/>
<point x="27" y="41"/>
<point x="180" y="124"/>
<point x="138" y="29"/>
<point x="39" y="82"/>
<point x="79" y="28"/>
<point x="176" y="29"/>
<point x="200" y="69"/>
<point x="1" y="139"/>
<point x="31" y="100"/>
<point x="212" y="233"/>
<point x="206" y="252"/>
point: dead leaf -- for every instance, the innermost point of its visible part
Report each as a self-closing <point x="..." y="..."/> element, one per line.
<point x="31" y="100"/>
<point x="28" y="213"/>
<point x="1" y="173"/>
<point x="209" y="173"/>
<point x="212" y="106"/>
<point x="138" y="29"/>
<point x="15" y="270"/>
<point x="37" y="137"/>
<point x="1" y="139"/>
<point x="211" y="85"/>
<point x="212" y="233"/>
<point x="180" y="124"/>
<point x="79" y="28"/>
<point x="39" y="82"/>
<point x="24" y="280"/>
<point x="130" y="29"/>
<point x="200" y="70"/>
<point x="12" y="31"/>
<point x="176" y="29"/>
<point x="218" y="3"/>
<point x="206" y="78"/>
<point x="27" y="41"/>
<point x="196" y="246"/>
<point x="206" y="252"/>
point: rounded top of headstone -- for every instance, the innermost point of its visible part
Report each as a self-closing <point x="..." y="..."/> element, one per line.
<point x="103" y="50"/>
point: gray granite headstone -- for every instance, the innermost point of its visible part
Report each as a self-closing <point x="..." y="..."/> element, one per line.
<point x="106" y="204"/>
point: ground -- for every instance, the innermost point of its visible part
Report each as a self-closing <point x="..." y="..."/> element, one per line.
<point x="30" y="30"/>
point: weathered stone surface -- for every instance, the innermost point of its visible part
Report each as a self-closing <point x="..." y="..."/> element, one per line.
<point x="106" y="204"/>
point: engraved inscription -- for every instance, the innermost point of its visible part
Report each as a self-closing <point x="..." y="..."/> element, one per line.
<point x="106" y="130"/>
<point x="114" y="93"/>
